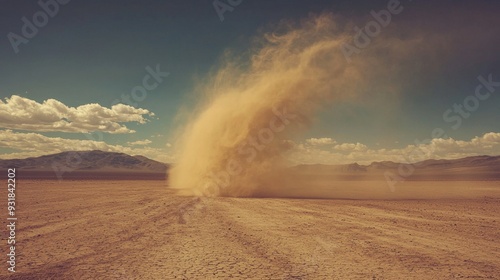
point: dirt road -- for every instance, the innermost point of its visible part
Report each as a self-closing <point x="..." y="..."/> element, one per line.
<point x="134" y="230"/>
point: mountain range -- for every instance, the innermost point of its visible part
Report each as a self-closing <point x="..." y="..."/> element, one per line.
<point x="110" y="165"/>
<point x="468" y="168"/>
<point x="88" y="164"/>
<point x="489" y="162"/>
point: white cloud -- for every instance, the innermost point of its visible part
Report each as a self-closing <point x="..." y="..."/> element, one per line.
<point x="350" y="147"/>
<point x="320" y="141"/>
<point x="140" y="142"/>
<point x="438" y="148"/>
<point x="157" y="135"/>
<point x="34" y="144"/>
<point x="22" y="113"/>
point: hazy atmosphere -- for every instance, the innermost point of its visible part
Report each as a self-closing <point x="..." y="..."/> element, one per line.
<point x="239" y="139"/>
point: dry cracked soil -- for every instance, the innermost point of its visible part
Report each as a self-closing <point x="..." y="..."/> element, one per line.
<point x="143" y="230"/>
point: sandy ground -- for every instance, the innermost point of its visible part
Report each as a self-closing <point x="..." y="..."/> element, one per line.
<point x="141" y="230"/>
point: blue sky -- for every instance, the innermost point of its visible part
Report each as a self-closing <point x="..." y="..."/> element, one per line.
<point x="96" y="51"/>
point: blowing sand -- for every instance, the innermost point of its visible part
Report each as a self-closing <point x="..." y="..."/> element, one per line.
<point x="142" y="230"/>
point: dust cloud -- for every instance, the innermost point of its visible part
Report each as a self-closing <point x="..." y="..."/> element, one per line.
<point x="233" y="145"/>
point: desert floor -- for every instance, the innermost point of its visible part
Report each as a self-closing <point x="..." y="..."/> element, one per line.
<point x="142" y="230"/>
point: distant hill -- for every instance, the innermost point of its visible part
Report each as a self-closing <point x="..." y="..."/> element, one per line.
<point x="340" y="168"/>
<point x="469" y="168"/>
<point x="87" y="164"/>
<point x="109" y="165"/>
<point x="431" y="164"/>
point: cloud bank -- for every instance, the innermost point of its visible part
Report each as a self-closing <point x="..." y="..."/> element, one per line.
<point x="22" y="113"/>
<point x="308" y="152"/>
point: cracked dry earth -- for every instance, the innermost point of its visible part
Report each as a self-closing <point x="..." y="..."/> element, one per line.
<point x="142" y="230"/>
